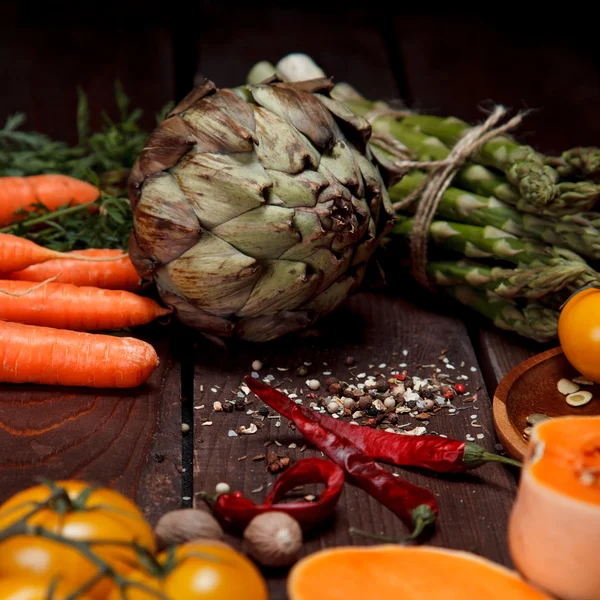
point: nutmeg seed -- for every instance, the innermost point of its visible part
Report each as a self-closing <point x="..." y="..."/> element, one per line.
<point x="183" y="525"/>
<point x="274" y="539"/>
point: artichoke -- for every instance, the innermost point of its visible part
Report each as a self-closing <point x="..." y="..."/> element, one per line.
<point x="256" y="209"/>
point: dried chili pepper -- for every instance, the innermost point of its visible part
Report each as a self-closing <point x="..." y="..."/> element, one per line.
<point x="432" y="452"/>
<point x="415" y="506"/>
<point x="235" y="511"/>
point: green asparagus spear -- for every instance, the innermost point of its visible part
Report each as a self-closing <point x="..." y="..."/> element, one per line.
<point x="537" y="182"/>
<point x="489" y="242"/>
<point x="577" y="163"/>
<point x="578" y="233"/>
<point x="527" y="282"/>
<point x="533" y="321"/>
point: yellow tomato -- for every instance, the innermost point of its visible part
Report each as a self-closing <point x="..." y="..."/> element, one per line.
<point x="85" y="513"/>
<point x="21" y="588"/>
<point x="579" y="332"/>
<point x="30" y="556"/>
<point x="201" y="571"/>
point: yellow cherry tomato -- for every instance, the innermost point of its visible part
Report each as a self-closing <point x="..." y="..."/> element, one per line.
<point x="21" y="588"/>
<point x="29" y="556"/>
<point x="201" y="571"/>
<point x="579" y="332"/>
<point x="84" y="513"/>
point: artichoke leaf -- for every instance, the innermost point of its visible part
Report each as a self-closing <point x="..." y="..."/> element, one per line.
<point x="222" y="124"/>
<point x="283" y="285"/>
<point x="331" y="265"/>
<point x="211" y="275"/>
<point x="302" y="110"/>
<point x="313" y="236"/>
<point x="332" y="297"/>
<point x="191" y="315"/>
<point x="296" y="190"/>
<point x="263" y="233"/>
<point x="367" y="246"/>
<point x="165" y="223"/>
<point x="288" y="150"/>
<point x="220" y="187"/>
<point x="340" y="163"/>
<point x="360" y="128"/>
<point x="269" y="327"/>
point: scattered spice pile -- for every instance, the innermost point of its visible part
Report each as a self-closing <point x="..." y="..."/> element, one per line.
<point x="385" y="396"/>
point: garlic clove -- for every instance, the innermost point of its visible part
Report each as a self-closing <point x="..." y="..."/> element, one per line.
<point x="579" y="398"/>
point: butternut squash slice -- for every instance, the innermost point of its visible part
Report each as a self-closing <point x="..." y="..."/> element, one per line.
<point x="554" y="528"/>
<point x="404" y="573"/>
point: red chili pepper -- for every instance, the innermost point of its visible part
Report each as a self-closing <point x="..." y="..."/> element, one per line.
<point x="416" y="506"/>
<point x="432" y="452"/>
<point x="235" y="511"/>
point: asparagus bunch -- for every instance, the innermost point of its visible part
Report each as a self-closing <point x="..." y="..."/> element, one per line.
<point x="518" y="222"/>
<point x="537" y="182"/>
<point x="578" y="233"/>
<point x="530" y="282"/>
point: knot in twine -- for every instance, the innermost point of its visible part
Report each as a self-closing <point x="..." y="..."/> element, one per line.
<point x="441" y="173"/>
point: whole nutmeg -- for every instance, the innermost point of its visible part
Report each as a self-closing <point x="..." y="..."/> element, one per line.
<point x="335" y="389"/>
<point x="183" y="525"/>
<point x="273" y="539"/>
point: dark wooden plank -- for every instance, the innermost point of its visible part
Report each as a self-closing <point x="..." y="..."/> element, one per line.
<point x="374" y="329"/>
<point x="499" y="352"/>
<point x="127" y="439"/>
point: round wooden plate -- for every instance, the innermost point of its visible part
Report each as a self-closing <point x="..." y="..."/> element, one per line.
<point x="531" y="388"/>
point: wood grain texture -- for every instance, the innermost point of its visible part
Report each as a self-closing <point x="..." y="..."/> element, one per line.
<point x="126" y="439"/>
<point x="373" y="329"/>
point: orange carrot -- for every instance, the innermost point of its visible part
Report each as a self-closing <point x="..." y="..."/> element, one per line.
<point x="68" y="306"/>
<point x="52" y="191"/>
<point x="17" y="253"/>
<point x="117" y="275"/>
<point x="30" y="354"/>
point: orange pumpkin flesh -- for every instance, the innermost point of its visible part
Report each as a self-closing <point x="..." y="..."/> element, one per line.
<point x="554" y="529"/>
<point x="407" y="573"/>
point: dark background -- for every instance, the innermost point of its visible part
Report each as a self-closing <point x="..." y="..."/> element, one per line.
<point x="446" y="62"/>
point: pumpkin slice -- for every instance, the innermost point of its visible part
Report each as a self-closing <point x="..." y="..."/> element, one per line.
<point x="554" y="529"/>
<point x="406" y="573"/>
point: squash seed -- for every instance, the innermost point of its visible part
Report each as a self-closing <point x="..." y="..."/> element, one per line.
<point x="566" y="387"/>
<point x="579" y="398"/>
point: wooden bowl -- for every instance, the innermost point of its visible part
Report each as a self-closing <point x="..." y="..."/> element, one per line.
<point x="531" y="388"/>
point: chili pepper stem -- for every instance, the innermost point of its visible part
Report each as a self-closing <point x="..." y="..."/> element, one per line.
<point x="490" y="457"/>
<point x="375" y="536"/>
<point x="476" y="455"/>
<point x="422" y="517"/>
<point x="210" y="499"/>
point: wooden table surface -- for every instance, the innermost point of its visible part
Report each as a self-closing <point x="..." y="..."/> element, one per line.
<point x="449" y="65"/>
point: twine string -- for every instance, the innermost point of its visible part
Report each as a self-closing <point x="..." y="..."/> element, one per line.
<point x="440" y="175"/>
